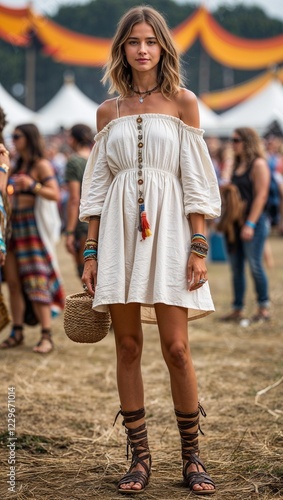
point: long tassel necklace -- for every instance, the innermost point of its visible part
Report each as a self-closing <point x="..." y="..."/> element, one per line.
<point x="143" y="95"/>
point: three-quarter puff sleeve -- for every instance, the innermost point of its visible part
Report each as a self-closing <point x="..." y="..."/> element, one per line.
<point x="97" y="179"/>
<point x="200" y="185"/>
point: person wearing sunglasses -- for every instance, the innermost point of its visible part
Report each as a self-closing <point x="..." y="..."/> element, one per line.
<point x="30" y="267"/>
<point x="252" y="177"/>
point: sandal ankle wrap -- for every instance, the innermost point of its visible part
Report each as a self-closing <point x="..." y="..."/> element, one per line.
<point x="138" y="444"/>
<point x="190" y="450"/>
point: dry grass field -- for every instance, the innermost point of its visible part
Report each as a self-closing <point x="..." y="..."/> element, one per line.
<point x="67" y="447"/>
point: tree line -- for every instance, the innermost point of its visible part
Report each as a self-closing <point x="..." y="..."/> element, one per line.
<point x="99" y="18"/>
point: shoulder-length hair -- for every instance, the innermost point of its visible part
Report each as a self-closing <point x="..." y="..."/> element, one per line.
<point x="34" y="145"/>
<point x="118" y="72"/>
<point x="252" y="146"/>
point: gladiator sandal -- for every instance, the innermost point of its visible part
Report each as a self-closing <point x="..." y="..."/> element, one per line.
<point x="15" y="338"/>
<point x="190" y="450"/>
<point x="137" y="442"/>
<point x="39" y="347"/>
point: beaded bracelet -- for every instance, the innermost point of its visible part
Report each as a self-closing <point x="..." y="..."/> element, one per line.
<point x="89" y="251"/>
<point x="250" y="224"/>
<point x="202" y="255"/>
<point x="90" y="257"/>
<point x="200" y="248"/>
<point x="91" y="240"/>
<point x="198" y="236"/>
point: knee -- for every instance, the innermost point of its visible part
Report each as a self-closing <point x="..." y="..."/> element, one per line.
<point x="129" y="351"/>
<point x="176" y="355"/>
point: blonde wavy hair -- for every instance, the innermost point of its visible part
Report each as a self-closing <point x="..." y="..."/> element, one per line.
<point x="118" y="72"/>
<point x="252" y="146"/>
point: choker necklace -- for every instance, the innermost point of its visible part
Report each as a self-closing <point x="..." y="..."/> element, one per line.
<point x="143" y="95"/>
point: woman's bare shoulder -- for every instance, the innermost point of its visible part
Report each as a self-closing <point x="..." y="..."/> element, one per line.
<point x="106" y="112"/>
<point x="187" y="104"/>
<point x="43" y="168"/>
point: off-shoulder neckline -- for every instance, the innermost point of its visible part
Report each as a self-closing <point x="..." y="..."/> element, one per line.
<point x="196" y="130"/>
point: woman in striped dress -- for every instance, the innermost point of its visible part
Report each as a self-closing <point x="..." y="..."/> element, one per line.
<point x="30" y="268"/>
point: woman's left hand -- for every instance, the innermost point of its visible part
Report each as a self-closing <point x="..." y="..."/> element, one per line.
<point x="196" y="272"/>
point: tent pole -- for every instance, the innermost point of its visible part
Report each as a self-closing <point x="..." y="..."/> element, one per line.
<point x="204" y="72"/>
<point x="30" y="75"/>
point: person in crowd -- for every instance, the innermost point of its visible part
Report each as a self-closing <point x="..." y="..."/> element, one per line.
<point x="251" y="176"/>
<point x="81" y="142"/>
<point x="30" y="269"/>
<point x="148" y="186"/>
<point x="57" y="153"/>
<point x="4" y="169"/>
<point x="273" y="159"/>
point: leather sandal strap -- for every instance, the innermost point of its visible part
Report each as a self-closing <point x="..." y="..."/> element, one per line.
<point x="130" y="416"/>
<point x="135" y="477"/>
<point x="194" y="478"/>
<point x="192" y="458"/>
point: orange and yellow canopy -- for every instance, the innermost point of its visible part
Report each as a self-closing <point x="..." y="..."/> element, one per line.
<point x="69" y="47"/>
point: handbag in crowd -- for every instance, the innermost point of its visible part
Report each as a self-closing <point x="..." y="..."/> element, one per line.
<point x="81" y="322"/>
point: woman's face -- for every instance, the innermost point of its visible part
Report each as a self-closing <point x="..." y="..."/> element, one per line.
<point x="237" y="143"/>
<point x="19" y="140"/>
<point x="142" y="49"/>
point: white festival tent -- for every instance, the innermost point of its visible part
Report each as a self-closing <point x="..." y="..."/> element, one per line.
<point x="68" y="107"/>
<point x="209" y="120"/>
<point x="258" y="111"/>
<point x="16" y="113"/>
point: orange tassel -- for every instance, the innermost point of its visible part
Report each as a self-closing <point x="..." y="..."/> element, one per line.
<point x="145" y="227"/>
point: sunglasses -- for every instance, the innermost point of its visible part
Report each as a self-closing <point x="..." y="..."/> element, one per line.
<point x="15" y="137"/>
<point x="236" y="140"/>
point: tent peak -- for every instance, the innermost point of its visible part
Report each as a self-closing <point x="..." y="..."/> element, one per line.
<point x="69" y="78"/>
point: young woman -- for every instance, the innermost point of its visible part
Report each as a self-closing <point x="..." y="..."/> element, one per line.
<point x="81" y="142"/>
<point x="251" y="175"/>
<point x="30" y="266"/>
<point x="148" y="186"/>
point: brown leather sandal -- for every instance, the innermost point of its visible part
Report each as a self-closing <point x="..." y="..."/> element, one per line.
<point x="45" y="336"/>
<point x="190" y="451"/>
<point x="13" y="340"/>
<point x="137" y="442"/>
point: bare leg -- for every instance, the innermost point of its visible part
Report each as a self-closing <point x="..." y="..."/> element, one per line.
<point x="43" y="312"/>
<point x="172" y="323"/>
<point x="129" y="342"/>
<point x="17" y="304"/>
<point x="15" y="289"/>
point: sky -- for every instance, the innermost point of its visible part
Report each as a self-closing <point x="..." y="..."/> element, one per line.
<point x="273" y="8"/>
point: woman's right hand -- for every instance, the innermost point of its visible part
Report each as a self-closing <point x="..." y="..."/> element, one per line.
<point x="89" y="277"/>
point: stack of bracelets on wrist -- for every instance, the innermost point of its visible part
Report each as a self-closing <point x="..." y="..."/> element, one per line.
<point x="199" y="245"/>
<point x="90" y="250"/>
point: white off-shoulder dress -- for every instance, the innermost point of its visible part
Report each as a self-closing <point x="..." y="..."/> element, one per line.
<point x="178" y="179"/>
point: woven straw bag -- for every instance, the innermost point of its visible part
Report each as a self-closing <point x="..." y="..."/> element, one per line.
<point x="81" y="322"/>
<point x="4" y="314"/>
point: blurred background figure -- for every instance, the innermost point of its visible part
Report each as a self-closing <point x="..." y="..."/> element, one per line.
<point x="274" y="150"/>
<point x="57" y="152"/>
<point x="31" y="269"/>
<point x="81" y="142"/>
<point x="4" y="170"/>
<point x="251" y="175"/>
